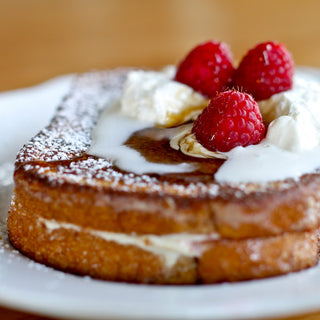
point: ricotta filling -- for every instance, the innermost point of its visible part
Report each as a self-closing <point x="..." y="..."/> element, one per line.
<point x="170" y="246"/>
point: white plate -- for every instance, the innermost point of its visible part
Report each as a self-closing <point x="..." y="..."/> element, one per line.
<point x="29" y="286"/>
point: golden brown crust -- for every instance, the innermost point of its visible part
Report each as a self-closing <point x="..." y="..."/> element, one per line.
<point x="53" y="170"/>
<point x="222" y="260"/>
<point x="55" y="179"/>
<point x="83" y="253"/>
<point x="296" y="209"/>
<point x="258" y="257"/>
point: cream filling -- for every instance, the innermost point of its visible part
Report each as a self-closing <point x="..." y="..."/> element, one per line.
<point x="170" y="247"/>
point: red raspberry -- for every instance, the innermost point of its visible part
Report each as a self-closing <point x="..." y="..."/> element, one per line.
<point x="231" y="119"/>
<point x="207" y="68"/>
<point x="265" y="70"/>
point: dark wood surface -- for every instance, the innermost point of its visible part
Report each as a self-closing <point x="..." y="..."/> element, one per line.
<point x="42" y="39"/>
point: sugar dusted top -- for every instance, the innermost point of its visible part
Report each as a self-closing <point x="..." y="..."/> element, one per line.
<point x="58" y="154"/>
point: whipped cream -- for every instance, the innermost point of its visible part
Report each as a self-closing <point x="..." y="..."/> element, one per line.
<point x="170" y="246"/>
<point x="266" y="162"/>
<point x="292" y="144"/>
<point x="154" y="97"/>
<point x="294" y="118"/>
<point x="290" y="149"/>
<point x="112" y="131"/>
<point x="294" y="115"/>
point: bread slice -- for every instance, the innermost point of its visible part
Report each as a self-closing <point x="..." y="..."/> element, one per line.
<point x="261" y="229"/>
<point x="94" y="252"/>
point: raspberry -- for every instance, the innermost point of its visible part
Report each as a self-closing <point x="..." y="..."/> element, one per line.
<point x="231" y="119"/>
<point x="207" y="68"/>
<point x="265" y="70"/>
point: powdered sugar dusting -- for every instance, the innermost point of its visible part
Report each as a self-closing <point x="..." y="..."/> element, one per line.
<point x="58" y="152"/>
<point x="65" y="141"/>
<point x="68" y="135"/>
<point x="100" y="173"/>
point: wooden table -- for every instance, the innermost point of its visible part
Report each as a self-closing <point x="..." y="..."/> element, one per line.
<point x="42" y="39"/>
<point x="8" y="314"/>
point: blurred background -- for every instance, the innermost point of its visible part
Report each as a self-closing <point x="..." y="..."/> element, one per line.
<point x="40" y="39"/>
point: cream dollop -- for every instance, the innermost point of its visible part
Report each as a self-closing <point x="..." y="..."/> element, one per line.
<point x="270" y="160"/>
<point x="154" y="97"/>
<point x="294" y="115"/>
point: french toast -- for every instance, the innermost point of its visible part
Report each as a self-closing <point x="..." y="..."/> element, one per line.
<point x="81" y="213"/>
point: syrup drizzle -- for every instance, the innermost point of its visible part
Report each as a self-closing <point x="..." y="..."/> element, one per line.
<point x="59" y="155"/>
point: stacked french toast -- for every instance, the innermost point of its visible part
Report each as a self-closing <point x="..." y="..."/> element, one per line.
<point x="84" y="213"/>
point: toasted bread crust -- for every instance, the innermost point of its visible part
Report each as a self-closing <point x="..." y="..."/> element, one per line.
<point x="258" y="257"/>
<point x="222" y="260"/>
<point x="56" y="179"/>
<point x="265" y="214"/>
<point x="82" y="253"/>
<point x="53" y="170"/>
